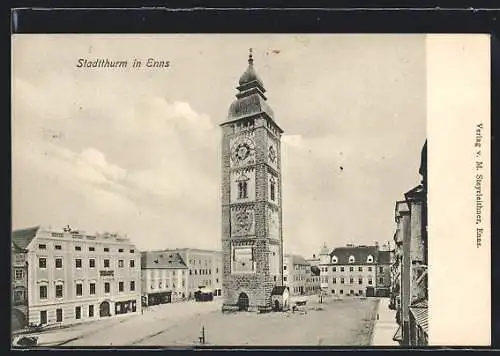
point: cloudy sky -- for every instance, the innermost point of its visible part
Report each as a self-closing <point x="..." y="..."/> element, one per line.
<point x="137" y="151"/>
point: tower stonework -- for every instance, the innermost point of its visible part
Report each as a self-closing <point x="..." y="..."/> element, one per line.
<point x="252" y="241"/>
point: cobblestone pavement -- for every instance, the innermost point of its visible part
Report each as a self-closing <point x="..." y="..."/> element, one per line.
<point x="344" y="322"/>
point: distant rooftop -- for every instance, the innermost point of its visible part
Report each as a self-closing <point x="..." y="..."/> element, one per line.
<point x="360" y="253"/>
<point x="22" y="237"/>
<point x="162" y="260"/>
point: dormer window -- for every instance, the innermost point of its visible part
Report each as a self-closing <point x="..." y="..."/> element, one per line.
<point x="351" y="259"/>
<point x="334" y="259"/>
<point x="369" y="259"/>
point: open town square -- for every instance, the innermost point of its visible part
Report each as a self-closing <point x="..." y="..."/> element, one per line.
<point x="260" y="228"/>
<point x="348" y="321"/>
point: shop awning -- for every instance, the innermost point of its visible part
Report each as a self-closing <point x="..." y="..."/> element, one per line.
<point x="398" y="336"/>
<point x="421" y="316"/>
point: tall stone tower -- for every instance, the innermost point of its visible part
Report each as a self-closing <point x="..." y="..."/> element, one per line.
<point x="252" y="239"/>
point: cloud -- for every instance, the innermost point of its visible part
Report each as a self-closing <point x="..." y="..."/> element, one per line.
<point x="137" y="163"/>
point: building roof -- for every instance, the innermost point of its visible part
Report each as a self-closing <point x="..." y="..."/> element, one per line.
<point x="279" y="290"/>
<point x="21" y="238"/>
<point x="251" y="100"/>
<point x="421" y="316"/>
<point x="250" y="105"/>
<point x="360" y="254"/>
<point x="421" y="304"/>
<point x="162" y="260"/>
<point x="250" y="75"/>
<point x="297" y="260"/>
<point x="384" y="257"/>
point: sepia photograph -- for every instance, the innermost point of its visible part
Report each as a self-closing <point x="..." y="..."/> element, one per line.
<point x="226" y="190"/>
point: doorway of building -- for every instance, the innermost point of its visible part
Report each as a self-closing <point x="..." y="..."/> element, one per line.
<point x="104" y="309"/>
<point x="276" y="305"/>
<point x="243" y="302"/>
<point x="370" y="292"/>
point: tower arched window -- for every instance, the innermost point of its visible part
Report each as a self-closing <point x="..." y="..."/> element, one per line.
<point x="351" y="259"/>
<point x="242" y="190"/>
<point x="242" y="186"/>
<point x="273" y="189"/>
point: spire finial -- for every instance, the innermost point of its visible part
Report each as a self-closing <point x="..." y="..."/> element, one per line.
<point x="250" y="58"/>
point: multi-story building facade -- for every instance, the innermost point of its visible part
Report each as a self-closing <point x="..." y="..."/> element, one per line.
<point x="298" y="276"/>
<point x="252" y="242"/>
<point x="74" y="276"/>
<point x="410" y="265"/>
<point x="383" y="279"/>
<point x="402" y="216"/>
<point x="204" y="269"/>
<point x="164" y="277"/>
<point x="355" y="271"/>
<point x="19" y="276"/>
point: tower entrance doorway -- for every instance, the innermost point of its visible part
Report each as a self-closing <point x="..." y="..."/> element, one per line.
<point x="243" y="302"/>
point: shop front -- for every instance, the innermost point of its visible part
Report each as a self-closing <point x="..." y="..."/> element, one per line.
<point x="125" y="307"/>
<point x="160" y="298"/>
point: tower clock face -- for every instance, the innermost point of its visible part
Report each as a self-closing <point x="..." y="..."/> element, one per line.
<point x="241" y="150"/>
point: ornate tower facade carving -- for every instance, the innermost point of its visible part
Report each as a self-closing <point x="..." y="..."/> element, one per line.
<point x="251" y="198"/>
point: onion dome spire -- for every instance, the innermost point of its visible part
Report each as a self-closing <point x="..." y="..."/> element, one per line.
<point x="250" y="76"/>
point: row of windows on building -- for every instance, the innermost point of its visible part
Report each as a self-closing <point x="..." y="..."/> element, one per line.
<point x="79" y="248"/>
<point x="300" y="278"/>
<point x="307" y="289"/>
<point x="203" y="271"/>
<point x="298" y="268"/>
<point x="351" y="280"/>
<point x="193" y="262"/>
<point x="351" y="269"/>
<point x="158" y="273"/>
<point x="160" y="284"/>
<point x="351" y="292"/>
<point x="59" y="314"/>
<point x="166" y="283"/>
<point x="121" y="308"/>
<point x="59" y="289"/>
<point x="42" y="263"/>
<point x="243" y="189"/>
<point x="297" y="278"/>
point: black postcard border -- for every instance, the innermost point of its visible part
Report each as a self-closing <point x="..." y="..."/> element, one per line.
<point x="360" y="17"/>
